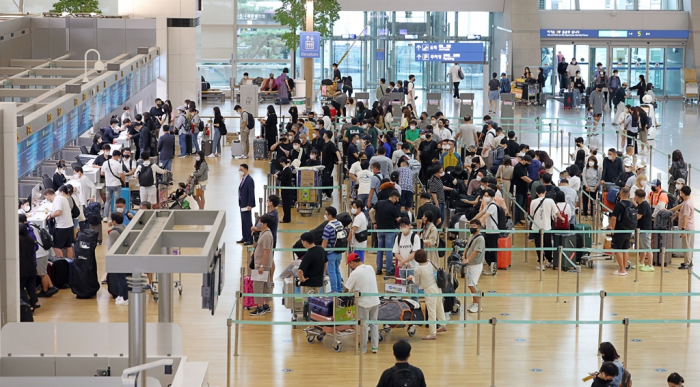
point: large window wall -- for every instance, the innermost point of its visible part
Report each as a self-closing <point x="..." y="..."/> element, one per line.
<point x="627" y="5"/>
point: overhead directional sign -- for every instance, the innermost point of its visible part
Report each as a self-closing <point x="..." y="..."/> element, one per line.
<point x="450" y="52"/>
<point x="606" y="34"/>
<point x="310" y="44"/>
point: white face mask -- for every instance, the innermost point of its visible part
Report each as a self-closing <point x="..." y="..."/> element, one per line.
<point x="353" y="211"/>
<point x="422" y="136"/>
<point x="679" y="186"/>
<point x="358" y="142"/>
<point x="478" y="178"/>
<point x="364" y="126"/>
<point x="442" y="174"/>
<point x="610" y="157"/>
<point x="63" y="171"/>
<point x="412" y="127"/>
<point x="241" y="173"/>
<point x="446" y="147"/>
<point x="591" y="163"/>
<point x="433" y="122"/>
<point x="296" y="147"/>
<point x="197" y="158"/>
<point x="290" y="138"/>
<point x="313" y="157"/>
<point x="406" y="230"/>
<point x="627" y="169"/>
<point x="26" y="208"/>
<point x="121" y="210"/>
<point x="487" y="200"/>
<point x="325" y="217"/>
<point x="521" y="154"/>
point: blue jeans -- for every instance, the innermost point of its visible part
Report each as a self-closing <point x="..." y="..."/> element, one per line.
<point x="216" y="144"/>
<point x="195" y="143"/>
<point x="110" y="192"/>
<point x="183" y="144"/>
<point x="167" y="164"/>
<point x="442" y="214"/>
<point x="520" y="199"/>
<point x="334" y="271"/>
<point x="123" y="289"/>
<point x="385" y="239"/>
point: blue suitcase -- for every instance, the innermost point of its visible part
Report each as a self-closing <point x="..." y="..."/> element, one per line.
<point x="321" y="305"/>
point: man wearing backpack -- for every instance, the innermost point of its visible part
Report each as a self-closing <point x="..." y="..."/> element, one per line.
<point x="623" y="217"/>
<point x="334" y="235"/>
<point x="199" y="125"/>
<point x="402" y="374"/>
<point x="183" y="129"/>
<point x="247" y="124"/>
<point x="146" y="174"/>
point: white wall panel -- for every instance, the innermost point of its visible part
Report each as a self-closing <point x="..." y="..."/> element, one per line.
<point x="217" y="42"/>
<point x="217" y="12"/>
<point x="422" y="5"/>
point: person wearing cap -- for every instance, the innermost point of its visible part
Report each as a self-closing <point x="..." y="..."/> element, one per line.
<point x="182" y="130"/>
<point x="628" y="172"/>
<point x="657" y="198"/>
<point x="369" y="148"/>
<point x="362" y="280"/>
<point x="639" y="169"/>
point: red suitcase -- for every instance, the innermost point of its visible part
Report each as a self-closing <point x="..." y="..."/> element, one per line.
<point x="504" y="257"/>
<point x="248" y="302"/>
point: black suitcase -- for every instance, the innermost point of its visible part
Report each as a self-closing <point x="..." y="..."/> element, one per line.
<point x="565" y="240"/>
<point x="543" y="98"/>
<point x="84" y="282"/>
<point x="659" y="241"/>
<point x="568" y="101"/>
<point x="207" y="146"/>
<point x="62" y="272"/>
<point x="25" y="312"/>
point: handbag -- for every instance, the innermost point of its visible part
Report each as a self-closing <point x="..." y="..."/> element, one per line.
<point x="198" y="191"/>
<point x="361" y="236"/>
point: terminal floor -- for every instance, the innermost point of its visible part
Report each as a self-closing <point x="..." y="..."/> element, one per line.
<point x="528" y="355"/>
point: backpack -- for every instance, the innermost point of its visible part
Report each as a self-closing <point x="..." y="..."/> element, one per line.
<point x="341" y="235"/>
<point x="441" y="277"/>
<point x="251" y="121"/>
<point x="460" y="73"/>
<point x="146" y="176"/>
<point x="405" y="87"/>
<point x="501" y="217"/>
<point x="672" y="201"/>
<point x="290" y="81"/>
<point x="441" y="245"/>
<point x="200" y="127"/>
<point x="628" y="219"/>
<point x="93" y="214"/>
<point x="415" y="165"/>
<point x="403" y="377"/>
<point x="562" y="224"/>
<point x="74" y="211"/>
<point x="680" y="173"/>
<point x="505" y="85"/>
<point x="188" y="125"/>
<point x="44" y="236"/>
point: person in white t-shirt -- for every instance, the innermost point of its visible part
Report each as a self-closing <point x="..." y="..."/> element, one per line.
<point x="466" y="133"/>
<point x="363" y="280"/>
<point x="359" y="224"/>
<point x="60" y="212"/>
<point x="364" y="179"/>
<point x="114" y="177"/>
<point x="405" y="245"/>
<point x="411" y="88"/>
<point x="543" y="211"/>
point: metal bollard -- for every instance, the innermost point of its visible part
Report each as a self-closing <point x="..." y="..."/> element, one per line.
<point x="600" y="326"/>
<point x="550" y="138"/>
<point x="357" y="336"/>
<point x="362" y="328"/>
<point x="239" y="299"/>
<point x="578" y="288"/>
<point x="636" y="246"/>
<point x="690" y="281"/>
<point x="626" y="322"/>
<point x="596" y="221"/>
<point x="464" y="299"/>
<point x="493" y="351"/>
<point x="559" y="251"/>
<point x="560" y="144"/>
<point x="265" y="192"/>
<point x="602" y="129"/>
<point x="527" y="227"/>
<point x="580" y="210"/>
<point x="228" y="352"/>
<point x="540" y="255"/>
<point x="663" y="265"/>
<point x="478" y="326"/>
<point x="690" y="169"/>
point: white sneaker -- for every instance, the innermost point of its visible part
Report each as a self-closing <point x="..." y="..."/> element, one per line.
<point x="548" y="264"/>
<point x="473" y="308"/>
<point x="244" y="157"/>
<point x="120" y="301"/>
<point x="105" y="219"/>
<point x="211" y="155"/>
<point x="539" y="268"/>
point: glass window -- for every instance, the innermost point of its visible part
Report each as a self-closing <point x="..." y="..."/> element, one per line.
<point x="257" y="12"/>
<point x="261" y="43"/>
<point x="596" y="4"/>
<point x="558" y="4"/>
<point x="262" y="70"/>
<point x="352" y="63"/>
<point x="405" y="63"/>
<point x="621" y="58"/>
<point x="656" y="69"/>
<point x="638" y="64"/>
<point x="674" y="63"/>
<point x="410" y="17"/>
<point x="473" y="23"/>
<point x="216" y="73"/>
<point x="627" y="5"/>
<point x="349" y="23"/>
<point x="664" y="5"/>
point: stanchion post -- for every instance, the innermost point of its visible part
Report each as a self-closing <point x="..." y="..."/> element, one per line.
<point x="464" y="300"/>
<point x="493" y="352"/>
<point x="602" y="129"/>
<point x="669" y="163"/>
<point x="540" y="254"/>
<point x="560" y="144"/>
<point x="578" y="288"/>
<point x="580" y="209"/>
<point x="228" y="352"/>
<point x="600" y="326"/>
<point x="361" y="325"/>
<point x="559" y="251"/>
<point x="238" y="326"/>
<point x="690" y="169"/>
<point x="651" y="158"/>
<point x="550" y="138"/>
<point x="527" y="227"/>
<point x="265" y="192"/>
<point x="626" y="322"/>
<point x="478" y="326"/>
<point x="690" y="284"/>
<point x="636" y="246"/>
<point x="596" y="221"/>
<point x="363" y="332"/>
<point x="663" y="268"/>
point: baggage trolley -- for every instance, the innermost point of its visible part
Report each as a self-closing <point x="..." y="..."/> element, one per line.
<point x="401" y="286"/>
<point x="308" y="199"/>
<point x="532" y="92"/>
<point x="342" y="311"/>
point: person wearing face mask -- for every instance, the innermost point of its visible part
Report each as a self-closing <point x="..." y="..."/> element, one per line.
<point x="437" y="189"/>
<point x="450" y="158"/>
<point x="146" y="175"/>
<point x="427" y="151"/>
<point x="412" y="133"/>
<point x="114" y="179"/>
<point x="358" y="230"/>
<point x="628" y="172"/>
<point x="596" y="101"/>
<point x="466" y="133"/>
<point x="352" y="130"/>
<point x="353" y="150"/>
<point x="299" y="153"/>
<point x="402" y="150"/>
<point x="128" y="164"/>
<point x="59" y="177"/>
<point x="120" y="207"/>
<point x="657" y="198"/>
<point x="385" y="215"/>
<point x="24" y="207"/>
<point x="111" y="132"/>
<point x="286" y="175"/>
<point x="473" y="259"/>
<point x="405" y="247"/>
<point x="612" y="167"/>
<point x="283" y="149"/>
<point x="313" y="159"/>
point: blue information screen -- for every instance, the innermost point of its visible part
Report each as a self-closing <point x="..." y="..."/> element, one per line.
<point x="450" y="52"/>
<point x="612" y="34"/>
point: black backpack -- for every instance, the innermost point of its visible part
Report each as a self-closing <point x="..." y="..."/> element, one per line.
<point x="628" y="218"/>
<point x="44" y="236"/>
<point x="441" y="245"/>
<point x="251" y="121"/>
<point x="403" y="377"/>
<point x="75" y="211"/>
<point x="290" y="82"/>
<point x="501" y="219"/>
<point x="341" y="236"/>
<point x="672" y="201"/>
<point x="146" y="176"/>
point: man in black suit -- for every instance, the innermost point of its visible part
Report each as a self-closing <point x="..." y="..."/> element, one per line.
<point x="285" y="177"/>
<point x="246" y="203"/>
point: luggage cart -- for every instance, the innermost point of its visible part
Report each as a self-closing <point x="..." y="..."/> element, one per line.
<point x="532" y="92"/>
<point x="401" y="286"/>
<point x="308" y="199"/>
<point x="341" y="312"/>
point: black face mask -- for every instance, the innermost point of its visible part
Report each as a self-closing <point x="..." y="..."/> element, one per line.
<point x="474" y="166"/>
<point x="473" y="230"/>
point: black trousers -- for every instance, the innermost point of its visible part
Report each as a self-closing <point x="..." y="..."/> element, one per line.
<point x="327" y="180"/>
<point x="456" y="89"/>
<point x="339" y="109"/>
<point x="27" y="290"/>
<point x="547" y="243"/>
<point x="491" y="242"/>
<point x="287" y="204"/>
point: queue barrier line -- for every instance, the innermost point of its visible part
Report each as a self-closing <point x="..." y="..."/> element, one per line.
<point x="514" y="231"/>
<point x="295" y="323"/>
<point x="299" y="188"/>
<point x="484" y="295"/>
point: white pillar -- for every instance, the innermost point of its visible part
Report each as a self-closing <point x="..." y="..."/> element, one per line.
<point x="9" y="239"/>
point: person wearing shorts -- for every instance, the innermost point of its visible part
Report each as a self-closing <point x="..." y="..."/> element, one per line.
<point x="621" y="241"/>
<point x="494" y="85"/>
<point x="474" y="260"/>
<point x="63" y="235"/>
<point x="644" y="224"/>
<point x="42" y="260"/>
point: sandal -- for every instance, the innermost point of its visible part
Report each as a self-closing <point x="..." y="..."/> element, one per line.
<point x="430" y="337"/>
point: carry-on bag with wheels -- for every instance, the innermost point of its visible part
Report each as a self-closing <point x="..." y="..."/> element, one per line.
<point x="248" y="302"/>
<point x="208" y="147"/>
<point x="566" y="241"/>
<point x="675" y="242"/>
<point x="84" y="283"/>
<point x="568" y="101"/>
<point x="236" y="148"/>
<point x="62" y="272"/>
<point x="260" y="149"/>
<point x="583" y="240"/>
<point x="504" y="258"/>
<point x="659" y="241"/>
<point x="321" y="305"/>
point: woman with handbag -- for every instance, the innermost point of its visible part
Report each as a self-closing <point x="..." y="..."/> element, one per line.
<point x="424" y="277"/>
<point x="201" y="175"/>
<point x="219" y="130"/>
<point x="358" y="232"/>
<point x="430" y="237"/>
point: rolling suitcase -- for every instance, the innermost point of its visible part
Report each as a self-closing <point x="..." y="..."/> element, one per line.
<point x="675" y="242"/>
<point x="236" y="148"/>
<point x="504" y="257"/>
<point x="248" y="302"/>
<point x="260" y="149"/>
<point x="567" y="241"/>
<point x="207" y="147"/>
<point x="543" y="99"/>
<point x="583" y="241"/>
<point x="321" y="305"/>
<point x="62" y="271"/>
<point x="568" y="101"/>
<point x="659" y="241"/>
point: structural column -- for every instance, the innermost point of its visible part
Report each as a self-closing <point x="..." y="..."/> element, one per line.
<point x="9" y="242"/>
<point x="309" y="62"/>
